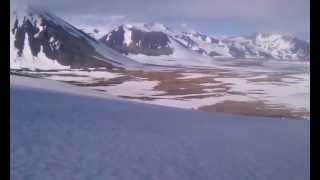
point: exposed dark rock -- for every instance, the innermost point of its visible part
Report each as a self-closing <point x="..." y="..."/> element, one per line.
<point x="142" y="42"/>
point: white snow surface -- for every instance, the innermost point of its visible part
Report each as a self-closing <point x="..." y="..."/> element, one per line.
<point x="57" y="133"/>
<point x="295" y="94"/>
<point x="127" y="36"/>
<point x="141" y="88"/>
<point x="192" y="75"/>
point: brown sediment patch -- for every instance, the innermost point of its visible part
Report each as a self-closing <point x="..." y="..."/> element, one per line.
<point x="269" y="78"/>
<point x="63" y="75"/>
<point x="172" y="83"/>
<point x="106" y="82"/>
<point x="101" y="90"/>
<point x="247" y="63"/>
<point x="181" y="87"/>
<point x="200" y="96"/>
<point x="255" y="108"/>
<point x="144" y="98"/>
<point x="77" y="83"/>
<point x="217" y="90"/>
<point x="238" y="93"/>
<point x="26" y="70"/>
<point x="275" y="77"/>
<point x="24" y="74"/>
<point x="155" y="75"/>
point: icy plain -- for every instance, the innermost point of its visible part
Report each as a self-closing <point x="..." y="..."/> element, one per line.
<point x="59" y="132"/>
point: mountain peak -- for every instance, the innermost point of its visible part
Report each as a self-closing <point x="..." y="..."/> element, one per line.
<point x="37" y="34"/>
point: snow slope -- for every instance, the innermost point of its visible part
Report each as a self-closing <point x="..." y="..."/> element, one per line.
<point x="61" y="44"/>
<point x="180" y="57"/>
<point x="56" y="134"/>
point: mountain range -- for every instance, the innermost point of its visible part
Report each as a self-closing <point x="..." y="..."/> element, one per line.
<point x="157" y="39"/>
<point x="41" y="40"/>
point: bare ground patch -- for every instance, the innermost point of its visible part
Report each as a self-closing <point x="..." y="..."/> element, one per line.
<point x="256" y="108"/>
<point x="275" y="77"/>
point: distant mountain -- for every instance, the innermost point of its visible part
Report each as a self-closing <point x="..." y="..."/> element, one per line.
<point x="276" y="46"/>
<point x="152" y="43"/>
<point x="129" y="39"/>
<point x="41" y="40"/>
<point x="157" y="39"/>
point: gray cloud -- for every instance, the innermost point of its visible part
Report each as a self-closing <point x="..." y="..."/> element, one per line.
<point x="284" y="16"/>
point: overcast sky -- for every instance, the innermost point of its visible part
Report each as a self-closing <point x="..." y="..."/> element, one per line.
<point x="210" y="16"/>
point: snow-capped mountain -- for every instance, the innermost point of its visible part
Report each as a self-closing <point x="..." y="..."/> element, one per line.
<point x="41" y="40"/>
<point x="264" y="45"/>
<point x="152" y="43"/>
<point x="153" y="39"/>
<point x="204" y="44"/>
<point x="157" y="39"/>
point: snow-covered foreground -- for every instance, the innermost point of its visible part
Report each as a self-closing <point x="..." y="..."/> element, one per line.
<point x="59" y="134"/>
